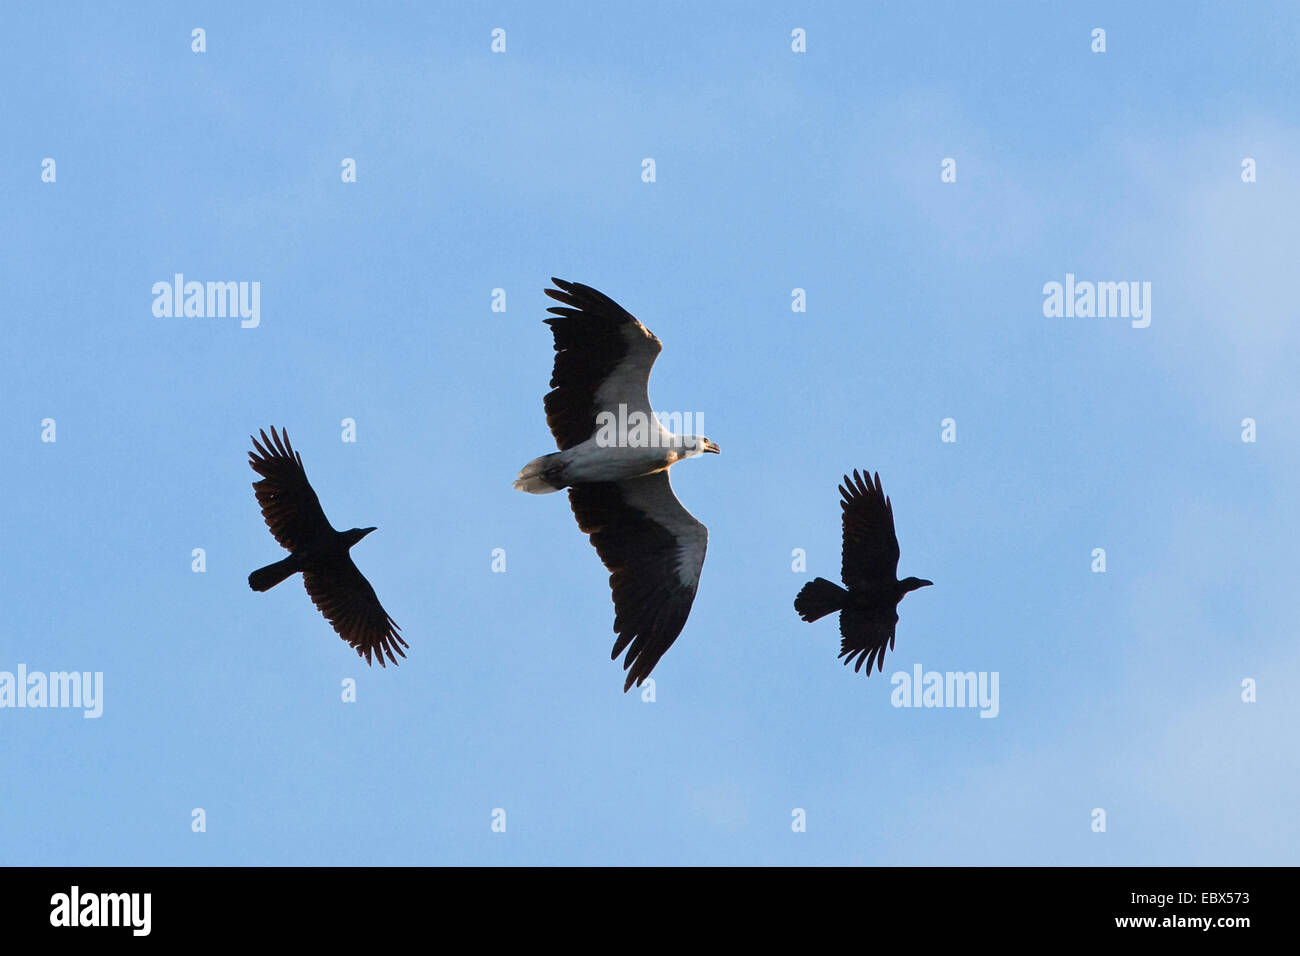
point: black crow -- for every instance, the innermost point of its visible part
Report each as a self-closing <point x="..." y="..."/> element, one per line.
<point x="336" y="587"/>
<point x="869" y="568"/>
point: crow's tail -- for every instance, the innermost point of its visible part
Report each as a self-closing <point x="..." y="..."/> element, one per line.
<point x="819" y="598"/>
<point x="263" y="579"/>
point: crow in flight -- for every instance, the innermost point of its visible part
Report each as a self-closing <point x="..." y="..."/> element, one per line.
<point x="336" y="587"/>
<point x="869" y="608"/>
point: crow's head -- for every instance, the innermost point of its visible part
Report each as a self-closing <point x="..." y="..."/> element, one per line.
<point x="356" y="534"/>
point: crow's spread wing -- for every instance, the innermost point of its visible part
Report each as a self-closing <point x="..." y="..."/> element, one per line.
<point x="870" y="550"/>
<point x="350" y="604"/>
<point x="289" y="505"/>
<point x="865" y="632"/>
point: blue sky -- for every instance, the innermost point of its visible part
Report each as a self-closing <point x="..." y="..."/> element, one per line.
<point x="774" y="170"/>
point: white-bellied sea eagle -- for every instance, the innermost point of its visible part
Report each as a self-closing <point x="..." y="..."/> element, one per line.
<point x="618" y="477"/>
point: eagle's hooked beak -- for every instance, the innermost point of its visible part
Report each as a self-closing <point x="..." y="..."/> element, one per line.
<point x="711" y="447"/>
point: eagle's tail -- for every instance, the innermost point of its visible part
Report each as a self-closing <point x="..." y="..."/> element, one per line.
<point x="819" y="598"/>
<point x="541" y="476"/>
<point x="263" y="579"/>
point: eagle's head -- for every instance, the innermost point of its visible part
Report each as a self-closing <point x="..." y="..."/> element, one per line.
<point x="698" y="445"/>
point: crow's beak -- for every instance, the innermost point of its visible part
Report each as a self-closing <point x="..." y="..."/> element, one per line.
<point x="366" y="531"/>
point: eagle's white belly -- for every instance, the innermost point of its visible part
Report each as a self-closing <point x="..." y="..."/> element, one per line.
<point x="592" y="462"/>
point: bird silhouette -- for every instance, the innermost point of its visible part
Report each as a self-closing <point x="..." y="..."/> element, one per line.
<point x="869" y="567"/>
<point x="294" y="515"/>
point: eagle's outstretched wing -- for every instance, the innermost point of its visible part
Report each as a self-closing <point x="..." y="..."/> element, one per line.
<point x="603" y="357"/>
<point x="654" y="549"/>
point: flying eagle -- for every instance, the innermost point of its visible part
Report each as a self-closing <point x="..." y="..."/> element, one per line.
<point x="869" y="559"/>
<point x="293" y="513"/>
<point x="619" y="489"/>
